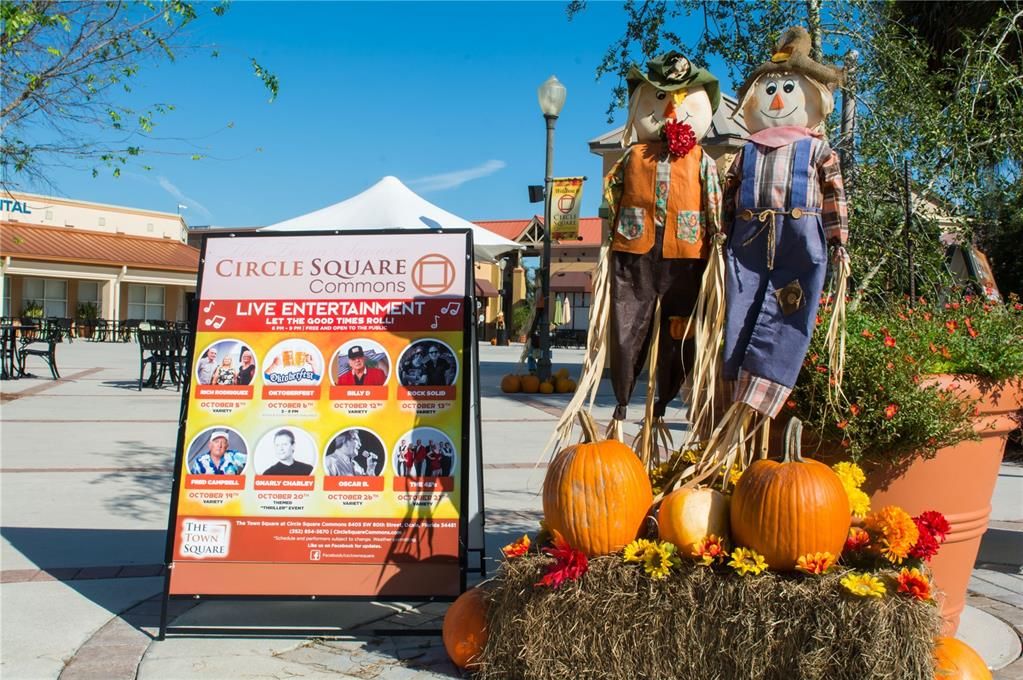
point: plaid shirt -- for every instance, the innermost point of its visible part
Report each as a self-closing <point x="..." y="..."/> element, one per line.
<point x="765" y="396"/>
<point x="825" y="192"/>
<point x="711" y="197"/>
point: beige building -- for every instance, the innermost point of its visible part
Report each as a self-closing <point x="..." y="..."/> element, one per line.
<point x="63" y="258"/>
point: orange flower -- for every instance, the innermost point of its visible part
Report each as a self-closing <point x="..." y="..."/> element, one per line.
<point x="945" y="353"/>
<point x="889" y="365"/>
<point x="889" y="341"/>
<point x="516" y="549"/>
<point x="973" y="333"/>
<point x="815" y="563"/>
<point x="866" y="333"/>
<point x="710" y="550"/>
<point x="842" y="424"/>
<point x="951" y="325"/>
<point x="790" y="404"/>
<point x="858" y="539"/>
<point x="915" y="584"/>
<point x="927" y="316"/>
<point x="897" y="531"/>
<point x="890" y="410"/>
<point x="818" y="323"/>
<point x="933" y="348"/>
<point x="854" y="409"/>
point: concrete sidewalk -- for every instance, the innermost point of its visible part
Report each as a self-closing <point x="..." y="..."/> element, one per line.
<point x="86" y="475"/>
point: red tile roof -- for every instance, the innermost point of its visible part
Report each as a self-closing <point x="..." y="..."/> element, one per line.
<point x="510" y="229"/>
<point x="589" y="228"/>
<point x="63" y="244"/>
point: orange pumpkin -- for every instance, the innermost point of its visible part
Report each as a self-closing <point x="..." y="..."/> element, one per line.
<point x="956" y="660"/>
<point x="561" y="373"/>
<point x="493" y="341"/>
<point x="564" y="384"/>
<point x="511" y="383"/>
<point x="596" y="494"/>
<point x="546" y="388"/>
<point x="530" y="384"/>
<point x="788" y="509"/>
<point x="465" y="627"/>
<point x="687" y="516"/>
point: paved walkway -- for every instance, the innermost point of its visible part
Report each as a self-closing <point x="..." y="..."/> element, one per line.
<point x="85" y="476"/>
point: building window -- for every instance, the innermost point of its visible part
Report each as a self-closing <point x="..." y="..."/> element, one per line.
<point x="145" y="302"/>
<point x="89" y="294"/>
<point x="7" y="297"/>
<point x="51" y="294"/>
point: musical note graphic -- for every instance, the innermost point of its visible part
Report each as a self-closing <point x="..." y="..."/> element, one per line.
<point x="207" y="308"/>
<point x="217" y="321"/>
<point x="436" y="319"/>
<point x="451" y="308"/>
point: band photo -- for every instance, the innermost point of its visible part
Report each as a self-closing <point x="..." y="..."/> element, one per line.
<point x="424" y="452"/>
<point x="226" y="362"/>
<point x="427" y="362"/>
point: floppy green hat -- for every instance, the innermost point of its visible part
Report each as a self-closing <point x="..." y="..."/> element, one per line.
<point x="670" y="72"/>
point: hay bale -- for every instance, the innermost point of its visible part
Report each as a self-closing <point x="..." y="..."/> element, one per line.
<point x="616" y="622"/>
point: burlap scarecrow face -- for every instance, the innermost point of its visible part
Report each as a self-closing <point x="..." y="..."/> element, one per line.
<point x="779" y="99"/>
<point x="653" y="106"/>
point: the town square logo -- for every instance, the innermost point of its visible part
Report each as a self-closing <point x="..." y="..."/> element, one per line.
<point x="433" y="274"/>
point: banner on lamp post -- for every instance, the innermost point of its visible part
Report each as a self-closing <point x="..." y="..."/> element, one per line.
<point x="565" y="199"/>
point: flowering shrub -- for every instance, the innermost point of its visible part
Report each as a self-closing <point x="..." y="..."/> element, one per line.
<point x="890" y="410"/>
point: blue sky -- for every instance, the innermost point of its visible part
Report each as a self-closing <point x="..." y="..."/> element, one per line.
<point x="441" y="95"/>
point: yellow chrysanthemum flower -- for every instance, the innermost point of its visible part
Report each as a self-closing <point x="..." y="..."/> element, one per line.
<point x="851" y="474"/>
<point x="747" y="561"/>
<point x="859" y="501"/>
<point x="863" y="585"/>
<point x="734" y="473"/>
<point x="637" y="550"/>
<point x="690" y="455"/>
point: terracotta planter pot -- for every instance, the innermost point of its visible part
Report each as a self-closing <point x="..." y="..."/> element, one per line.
<point x="958" y="482"/>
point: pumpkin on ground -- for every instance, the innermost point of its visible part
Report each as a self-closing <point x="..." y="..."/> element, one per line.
<point x="956" y="660"/>
<point x="465" y="627"/>
<point x="788" y="509"/>
<point x="493" y="341"/>
<point x="511" y="383"/>
<point x="687" y="516"/>
<point x="546" y="388"/>
<point x="530" y="384"/>
<point x="564" y="384"/>
<point x="596" y="494"/>
<point x="561" y="373"/>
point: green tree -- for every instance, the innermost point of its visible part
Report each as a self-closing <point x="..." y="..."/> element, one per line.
<point x="945" y="96"/>
<point x="65" y="69"/>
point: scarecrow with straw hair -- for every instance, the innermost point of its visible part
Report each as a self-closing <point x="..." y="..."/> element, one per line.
<point x="664" y="199"/>
<point x="784" y="205"/>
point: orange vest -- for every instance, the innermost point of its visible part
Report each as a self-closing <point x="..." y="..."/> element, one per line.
<point x="685" y="234"/>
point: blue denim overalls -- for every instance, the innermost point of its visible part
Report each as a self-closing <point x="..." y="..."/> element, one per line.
<point x="776" y="263"/>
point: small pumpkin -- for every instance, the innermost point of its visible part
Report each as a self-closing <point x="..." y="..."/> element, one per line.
<point x="511" y="383"/>
<point x="788" y="509"/>
<point x="530" y="384"/>
<point x="561" y="373"/>
<point x="956" y="660"/>
<point x="596" y="494"/>
<point x="465" y="627"/>
<point x="546" y="388"/>
<point x="564" y="384"/>
<point x="687" y="516"/>
<point x="493" y="341"/>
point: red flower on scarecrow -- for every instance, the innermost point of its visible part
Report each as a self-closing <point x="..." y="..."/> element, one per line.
<point x="569" y="563"/>
<point x="680" y="136"/>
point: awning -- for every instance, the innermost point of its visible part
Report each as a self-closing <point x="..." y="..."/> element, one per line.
<point x="485" y="289"/>
<point x="572" y="282"/>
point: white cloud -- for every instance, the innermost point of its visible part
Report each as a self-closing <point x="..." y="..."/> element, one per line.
<point x="452" y="180"/>
<point x="196" y="207"/>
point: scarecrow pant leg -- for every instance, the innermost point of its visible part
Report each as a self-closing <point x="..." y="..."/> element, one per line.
<point x="745" y="288"/>
<point x="633" y="300"/>
<point x="675" y="354"/>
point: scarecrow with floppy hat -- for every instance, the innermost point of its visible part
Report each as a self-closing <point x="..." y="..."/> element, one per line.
<point x="664" y="200"/>
<point x="784" y="205"/>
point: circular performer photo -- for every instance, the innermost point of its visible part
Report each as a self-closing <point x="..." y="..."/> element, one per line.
<point x="217" y="451"/>
<point x="286" y="451"/>
<point x="293" y="362"/>
<point x="226" y="362"/>
<point x="355" y="452"/>
<point x="427" y="362"/>
<point x="424" y="452"/>
<point x="360" y="362"/>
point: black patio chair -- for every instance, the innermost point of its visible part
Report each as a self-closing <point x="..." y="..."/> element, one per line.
<point x="65" y="324"/>
<point x="163" y="357"/>
<point x="40" y="342"/>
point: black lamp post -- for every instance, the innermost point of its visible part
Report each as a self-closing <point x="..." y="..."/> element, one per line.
<point x="552" y="97"/>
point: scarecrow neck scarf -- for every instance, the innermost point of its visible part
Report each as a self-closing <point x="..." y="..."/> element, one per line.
<point x="782" y="136"/>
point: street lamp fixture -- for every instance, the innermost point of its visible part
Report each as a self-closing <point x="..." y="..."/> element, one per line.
<point x="551" y="96"/>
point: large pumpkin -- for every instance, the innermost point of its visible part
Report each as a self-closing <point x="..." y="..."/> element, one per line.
<point x="596" y="494"/>
<point x="546" y="388"/>
<point x="687" y="516"/>
<point x="530" y="384"/>
<point x="465" y="627"/>
<point x="511" y="383"/>
<point x="788" y="509"/>
<point x="956" y="660"/>
<point x="564" y="384"/>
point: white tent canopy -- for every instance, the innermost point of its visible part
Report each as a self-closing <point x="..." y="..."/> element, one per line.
<point x="389" y="204"/>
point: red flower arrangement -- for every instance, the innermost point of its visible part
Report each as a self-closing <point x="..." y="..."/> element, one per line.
<point x="933" y="528"/>
<point x="680" y="136"/>
<point x="569" y="563"/>
<point x="913" y="583"/>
